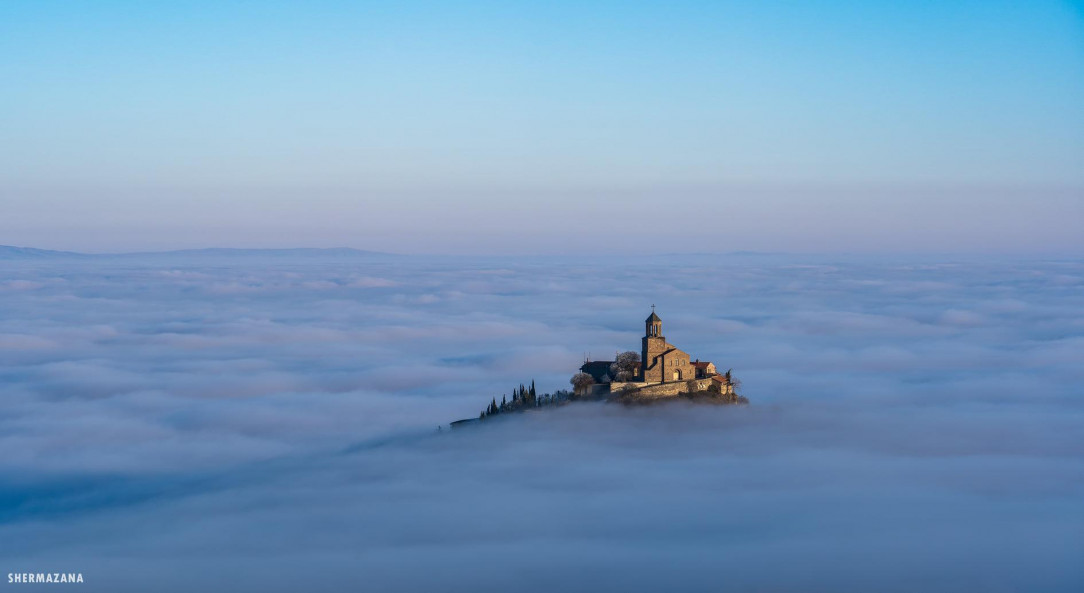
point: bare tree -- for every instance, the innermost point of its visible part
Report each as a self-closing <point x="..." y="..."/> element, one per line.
<point x="581" y="382"/>
<point x="624" y="367"/>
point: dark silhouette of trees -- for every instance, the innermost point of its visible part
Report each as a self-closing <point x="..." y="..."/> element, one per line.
<point x="523" y="398"/>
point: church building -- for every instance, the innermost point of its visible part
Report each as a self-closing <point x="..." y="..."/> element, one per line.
<point x="661" y="361"/>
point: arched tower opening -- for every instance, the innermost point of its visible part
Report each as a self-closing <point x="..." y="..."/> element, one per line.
<point x="653" y="325"/>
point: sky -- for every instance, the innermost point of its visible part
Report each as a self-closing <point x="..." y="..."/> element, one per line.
<point x="563" y="127"/>
<point x="266" y="423"/>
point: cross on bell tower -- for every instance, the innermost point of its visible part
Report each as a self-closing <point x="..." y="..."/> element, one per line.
<point x="653" y="325"/>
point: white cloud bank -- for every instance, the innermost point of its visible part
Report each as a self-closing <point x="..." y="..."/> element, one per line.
<point x="270" y="425"/>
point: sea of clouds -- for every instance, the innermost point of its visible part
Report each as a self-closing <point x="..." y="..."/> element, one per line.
<point x="232" y="422"/>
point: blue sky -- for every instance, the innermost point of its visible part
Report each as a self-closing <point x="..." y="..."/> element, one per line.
<point x="499" y="127"/>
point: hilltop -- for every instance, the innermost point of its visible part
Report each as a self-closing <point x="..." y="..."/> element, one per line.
<point x="660" y="372"/>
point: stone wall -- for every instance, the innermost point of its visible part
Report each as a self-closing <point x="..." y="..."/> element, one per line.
<point x="653" y="390"/>
<point x="598" y="389"/>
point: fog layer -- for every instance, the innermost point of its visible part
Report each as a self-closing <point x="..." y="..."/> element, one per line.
<point x="229" y="423"/>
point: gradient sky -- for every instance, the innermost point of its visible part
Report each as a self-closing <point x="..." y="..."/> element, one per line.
<point x="492" y="127"/>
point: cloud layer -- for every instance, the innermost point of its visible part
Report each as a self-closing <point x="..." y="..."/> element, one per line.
<point x="269" y="424"/>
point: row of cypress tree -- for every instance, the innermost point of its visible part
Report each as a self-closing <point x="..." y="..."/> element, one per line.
<point x="523" y="397"/>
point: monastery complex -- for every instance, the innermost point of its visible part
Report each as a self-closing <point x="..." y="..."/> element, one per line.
<point x="663" y="370"/>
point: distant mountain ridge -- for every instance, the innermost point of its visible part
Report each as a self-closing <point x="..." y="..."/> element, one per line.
<point x="11" y="252"/>
<point x="242" y="252"/>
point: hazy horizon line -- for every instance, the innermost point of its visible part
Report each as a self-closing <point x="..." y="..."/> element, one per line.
<point x="28" y="252"/>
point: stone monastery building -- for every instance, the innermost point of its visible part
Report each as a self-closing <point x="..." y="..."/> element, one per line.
<point x="661" y="362"/>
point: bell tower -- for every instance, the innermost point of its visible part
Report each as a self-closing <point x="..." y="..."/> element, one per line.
<point x="653" y="353"/>
<point x="653" y="325"/>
